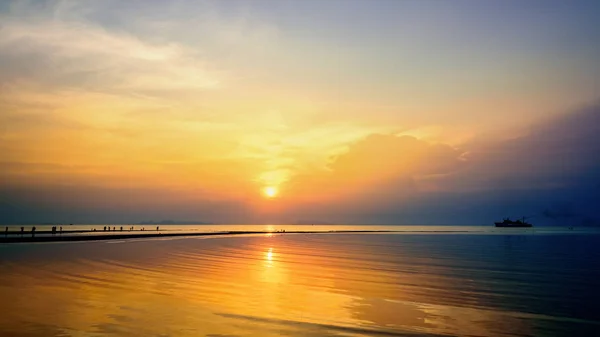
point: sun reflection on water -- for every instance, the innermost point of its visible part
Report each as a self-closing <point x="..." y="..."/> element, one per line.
<point x="270" y="255"/>
<point x="322" y="285"/>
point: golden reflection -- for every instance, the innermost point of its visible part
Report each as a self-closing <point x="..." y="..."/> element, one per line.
<point x="180" y="287"/>
<point x="272" y="273"/>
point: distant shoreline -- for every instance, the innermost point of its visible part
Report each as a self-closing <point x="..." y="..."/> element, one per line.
<point x="65" y="237"/>
<point x="76" y="235"/>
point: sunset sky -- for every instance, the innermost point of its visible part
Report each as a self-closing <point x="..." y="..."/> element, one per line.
<point x="339" y="111"/>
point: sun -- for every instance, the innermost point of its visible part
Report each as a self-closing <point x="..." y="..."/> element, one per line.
<point x="270" y="191"/>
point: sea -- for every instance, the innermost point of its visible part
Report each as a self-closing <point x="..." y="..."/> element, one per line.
<point x="415" y="281"/>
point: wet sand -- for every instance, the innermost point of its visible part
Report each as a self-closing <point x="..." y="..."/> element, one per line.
<point x="43" y="236"/>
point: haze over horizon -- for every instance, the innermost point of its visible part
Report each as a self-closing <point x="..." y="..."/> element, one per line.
<point x="356" y="112"/>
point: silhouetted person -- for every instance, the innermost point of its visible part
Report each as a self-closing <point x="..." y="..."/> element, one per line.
<point x="33" y="231"/>
<point x="105" y="228"/>
<point x="114" y="228"/>
<point x="121" y="228"/>
<point x="53" y="230"/>
<point x="93" y="230"/>
<point x="60" y="229"/>
<point x="156" y="228"/>
<point x="22" y="230"/>
<point x="6" y="231"/>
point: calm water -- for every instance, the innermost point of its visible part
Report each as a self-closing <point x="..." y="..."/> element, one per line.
<point x="470" y="284"/>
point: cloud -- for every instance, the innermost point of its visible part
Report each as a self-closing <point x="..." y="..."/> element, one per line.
<point x="380" y="178"/>
<point x="376" y="174"/>
<point x="286" y="149"/>
<point x="401" y="179"/>
<point x="176" y="49"/>
<point x="83" y="55"/>
<point x="383" y="156"/>
<point x="81" y="80"/>
<point x="560" y="152"/>
<point x="556" y="163"/>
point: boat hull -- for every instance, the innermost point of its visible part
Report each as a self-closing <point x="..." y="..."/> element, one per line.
<point x="500" y="224"/>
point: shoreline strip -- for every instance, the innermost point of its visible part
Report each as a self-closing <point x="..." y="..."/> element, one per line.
<point x="66" y="238"/>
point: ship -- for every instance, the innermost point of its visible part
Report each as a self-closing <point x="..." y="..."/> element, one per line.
<point x="509" y="223"/>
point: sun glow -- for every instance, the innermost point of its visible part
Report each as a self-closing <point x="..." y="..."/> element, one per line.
<point x="270" y="191"/>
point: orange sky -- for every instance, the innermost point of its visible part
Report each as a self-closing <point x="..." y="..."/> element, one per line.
<point x="212" y="103"/>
